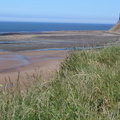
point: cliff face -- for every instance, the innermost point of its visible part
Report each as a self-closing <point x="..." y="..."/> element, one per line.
<point x="116" y="28"/>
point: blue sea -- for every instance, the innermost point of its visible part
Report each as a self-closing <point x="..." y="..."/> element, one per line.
<point x="13" y="27"/>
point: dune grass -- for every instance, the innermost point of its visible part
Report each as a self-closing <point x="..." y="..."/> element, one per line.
<point x="87" y="87"/>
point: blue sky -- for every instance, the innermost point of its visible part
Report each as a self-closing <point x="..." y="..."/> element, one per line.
<point x="75" y="11"/>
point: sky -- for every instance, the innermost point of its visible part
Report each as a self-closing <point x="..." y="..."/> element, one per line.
<point x="70" y="11"/>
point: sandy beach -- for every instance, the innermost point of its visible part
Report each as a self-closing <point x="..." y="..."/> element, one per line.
<point x="29" y="63"/>
<point x="30" y="53"/>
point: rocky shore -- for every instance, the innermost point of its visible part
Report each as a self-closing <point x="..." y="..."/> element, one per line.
<point x="57" y="39"/>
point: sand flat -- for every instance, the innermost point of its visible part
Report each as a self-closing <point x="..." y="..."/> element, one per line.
<point x="18" y="53"/>
<point x="45" y="62"/>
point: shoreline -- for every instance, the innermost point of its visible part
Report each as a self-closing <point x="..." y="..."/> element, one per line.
<point x="44" y="32"/>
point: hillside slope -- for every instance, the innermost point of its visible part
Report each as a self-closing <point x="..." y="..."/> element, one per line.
<point x="86" y="87"/>
<point x="116" y="28"/>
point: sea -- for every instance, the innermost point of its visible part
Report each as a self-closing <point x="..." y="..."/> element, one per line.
<point x="31" y="27"/>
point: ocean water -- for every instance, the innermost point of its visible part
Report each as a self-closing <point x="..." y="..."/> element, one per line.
<point x="13" y="27"/>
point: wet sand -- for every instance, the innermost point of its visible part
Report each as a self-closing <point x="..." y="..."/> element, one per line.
<point x="29" y="63"/>
<point x="28" y="53"/>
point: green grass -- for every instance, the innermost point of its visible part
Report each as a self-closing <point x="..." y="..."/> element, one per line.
<point x="87" y="87"/>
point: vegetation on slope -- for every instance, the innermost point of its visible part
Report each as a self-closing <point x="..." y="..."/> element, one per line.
<point x="87" y="87"/>
<point x="116" y="27"/>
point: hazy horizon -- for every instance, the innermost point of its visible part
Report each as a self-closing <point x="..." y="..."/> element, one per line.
<point x="56" y="22"/>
